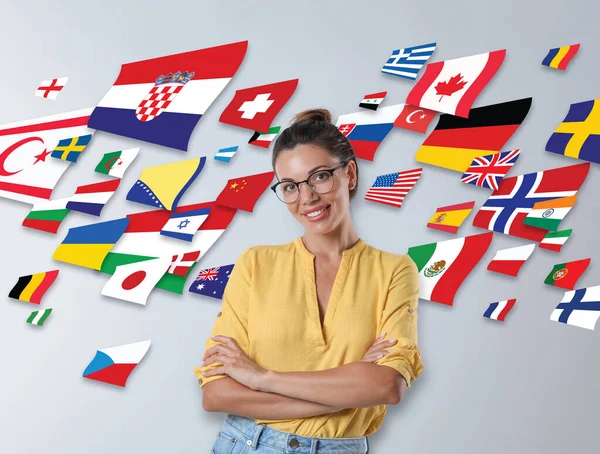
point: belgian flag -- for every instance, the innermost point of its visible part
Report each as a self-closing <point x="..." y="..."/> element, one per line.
<point x="33" y="287"/>
<point x="455" y="141"/>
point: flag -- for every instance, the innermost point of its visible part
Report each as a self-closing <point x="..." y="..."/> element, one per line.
<point x="509" y="261"/>
<point x="212" y="281"/>
<point x="91" y="198"/>
<point x="116" y="163"/>
<point x="26" y="172"/>
<point x="50" y="89"/>
<point x="70" y="149"/>
<point x="373" y="100"/>
<point x="183" y="226"/>
<point x="488" y="171"/>
<point x="449" y="218"/>
<point x="162" y="186"/>
<point x="548" y="214"/>
<point x="559" y="57"/>
<point x="408" y="62"/>
<point x="456" y="141"/>
<point x="365" y="130"/>
<point x="392" y="188"/>
<point x="445" y="265"/>
<point x="39" y="317"/>
<point x="565" y="275"/>
<point x="88" y="245"/>
<point x="264" y="140"/>
<point x="452" y="86"/>
<point x="225" y="154"/>
<point x="579" y="307"/>
<point x="578" y="136"/>
<point x="134" y="282"/>
<point x="114" y="365"/>
<point x="554" y="241"/>
<point x="31" y="288"/>
<point x="243" y="193"/>
<point x="181" y="264"/>
<point x="256" y="107"/>
<point x="142" y="241"/>
<point x="507" y="207"/>
<point x="414" y="118"/>
<point x="499" y="310"/>
<point x="47" y="216"/>
<point x="162" y="99"/>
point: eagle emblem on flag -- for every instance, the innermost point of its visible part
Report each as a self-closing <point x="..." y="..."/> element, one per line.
<point x="440" y="218"/>
<point x="435" y="269"/>
<point x="160" y="96"/>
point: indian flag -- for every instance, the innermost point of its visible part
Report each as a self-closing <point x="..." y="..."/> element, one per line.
<point x="47" y="216"/>
<point x="39" y="317"/>
<point x="554" y="241"/>
<point x="444" y="266"/>
<point x="116" y="163"/>
<point x="264" y="140"/>
<point x="548" y="214"/>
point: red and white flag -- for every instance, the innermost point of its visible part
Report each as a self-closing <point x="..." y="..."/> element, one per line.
<point x="509" y="261"/>
<point x="51" y="88"/>
<point x="415" y="118"/>
<point x="392" y="188"/>
<point x="452" y="86"/>
<point x="182" y="263"/>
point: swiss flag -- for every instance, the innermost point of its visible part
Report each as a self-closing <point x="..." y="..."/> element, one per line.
<point x="414" y="118"/>
<point x="243" y="193"/>
<point x="255" y="108"/>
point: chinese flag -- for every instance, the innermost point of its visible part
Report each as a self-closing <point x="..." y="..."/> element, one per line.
<point x="243" y="193"/>
<point x="414" y="118"/>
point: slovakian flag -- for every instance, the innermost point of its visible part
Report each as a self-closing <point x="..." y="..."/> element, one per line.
<point x="509" y="261"/>
<point x="579" y="308"/>
<point x="242" y="193"/>
<point x="114" y="365"/>
<point x="373" y="100"/>
<point x="500" y="309"/>
<point x="566" y="275"/>
<point x="554" y="241"/>
<point x="161" y="100"/>
<point x="183" y="226"/>
<point x="452" y="86"/>
<point x="449" y="218"/>
<point x="366" y="130"/>
<point x="414" y="118"/>
<point x="91" y="198"/>
<point x="256" y="107"/>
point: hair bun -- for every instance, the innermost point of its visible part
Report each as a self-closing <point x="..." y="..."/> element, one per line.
<point x="313" y="115"/>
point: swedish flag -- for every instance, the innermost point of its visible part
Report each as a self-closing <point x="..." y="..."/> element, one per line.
<point x="70" y="149"/>
<point x="578" y="136"/>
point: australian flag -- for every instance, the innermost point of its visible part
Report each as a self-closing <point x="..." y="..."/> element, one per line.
<point x="212" y="281"/>
<point x="408" y="62"/>
<point x="488" y="171"/>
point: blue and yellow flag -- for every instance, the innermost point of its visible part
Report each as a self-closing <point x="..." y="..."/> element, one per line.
<point x="560" y="57"/>
<point x="70" y="149"/>
<point x="578" y="136"/>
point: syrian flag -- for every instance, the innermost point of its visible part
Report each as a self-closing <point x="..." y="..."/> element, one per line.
<point x="135" y="281"/>
<point x="445" y="265"/>
<point x="116" y="163"/>
<point x="509" y="261"/>
<point x="183" y="226"/>
<point x="91" y="198"/>
<point x="373" y="100"/>
<point x="181" y="264"/>
<point x="452" y="86"/>
<point x="114" y="365"/>
<point x="499" y="310"/>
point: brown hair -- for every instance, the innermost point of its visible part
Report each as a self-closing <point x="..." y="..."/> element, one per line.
<point x="313" y="127"/>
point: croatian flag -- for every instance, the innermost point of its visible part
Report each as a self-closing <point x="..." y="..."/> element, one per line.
<point x="160" y="100"/>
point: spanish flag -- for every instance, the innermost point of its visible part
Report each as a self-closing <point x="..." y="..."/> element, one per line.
<point x="32" y="288"/>
<point x="560" y="57"/>
<point x="448" y="219"/>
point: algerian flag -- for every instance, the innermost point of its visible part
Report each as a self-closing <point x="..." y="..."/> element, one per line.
<point x="39" y="317"/>
<point x="116" y="163"/>
<point x="135" y="281"/>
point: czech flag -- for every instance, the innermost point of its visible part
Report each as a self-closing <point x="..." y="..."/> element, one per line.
<point x="114" y="365"/>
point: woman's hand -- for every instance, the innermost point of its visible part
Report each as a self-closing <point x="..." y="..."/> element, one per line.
<point x="376" y="350"/>
<point x="235" y="362"/>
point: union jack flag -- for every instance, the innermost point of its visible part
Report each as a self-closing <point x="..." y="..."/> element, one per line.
<point x="212" y="281"/>
<point x="508" y="206"/>
<point x="208" y="274"/>
<point x="488" y="171"/>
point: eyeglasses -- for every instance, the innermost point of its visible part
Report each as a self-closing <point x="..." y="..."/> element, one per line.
<point x="320" y="182"/>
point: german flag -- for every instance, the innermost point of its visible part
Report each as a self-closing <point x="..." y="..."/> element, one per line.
<point x="455" y="141"/>
<point x="33" y="287"/>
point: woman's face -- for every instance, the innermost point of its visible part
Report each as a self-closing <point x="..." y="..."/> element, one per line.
<point x="318" y="213"/>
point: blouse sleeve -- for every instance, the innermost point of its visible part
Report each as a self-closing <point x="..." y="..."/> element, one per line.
<point x="232" y="321"/>
<point x="399" y="321"/>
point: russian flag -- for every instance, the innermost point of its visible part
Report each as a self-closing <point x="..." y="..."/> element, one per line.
<point x="176" y="107"/>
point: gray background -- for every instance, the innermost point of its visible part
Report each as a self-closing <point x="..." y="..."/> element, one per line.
<point x="528" y="385"/>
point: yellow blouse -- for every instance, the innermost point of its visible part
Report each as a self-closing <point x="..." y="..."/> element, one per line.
<point x="270" y="308"/>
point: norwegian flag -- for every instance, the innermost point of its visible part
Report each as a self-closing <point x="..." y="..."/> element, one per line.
<point x="182" y="263"/>
<point x="508" y="206"/>
<point x="488" y="171"/>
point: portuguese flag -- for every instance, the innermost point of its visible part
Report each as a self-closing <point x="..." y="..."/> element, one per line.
<point x="565" y="275"/>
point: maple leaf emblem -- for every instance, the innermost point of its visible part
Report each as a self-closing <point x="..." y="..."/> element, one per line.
<point x="452" y="86"/>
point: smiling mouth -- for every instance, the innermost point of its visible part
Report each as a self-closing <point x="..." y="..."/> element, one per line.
<point x="315" y="214"/>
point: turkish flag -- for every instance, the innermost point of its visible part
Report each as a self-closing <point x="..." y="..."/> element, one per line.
<point x="414" y="118"/>
<point x="243" y="193"/>
<point x="255" y="108"/>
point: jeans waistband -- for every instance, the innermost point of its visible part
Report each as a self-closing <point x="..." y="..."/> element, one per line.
<point x="255" y="434"/>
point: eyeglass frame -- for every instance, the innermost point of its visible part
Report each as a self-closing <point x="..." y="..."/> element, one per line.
<point x="298" y="183"/>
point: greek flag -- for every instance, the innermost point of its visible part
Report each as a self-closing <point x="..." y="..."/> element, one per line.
<point x="408" y="62"/>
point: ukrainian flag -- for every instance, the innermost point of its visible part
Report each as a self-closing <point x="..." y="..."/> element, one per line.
<point x="560" y="57"/>
<point x="70" y="149"/>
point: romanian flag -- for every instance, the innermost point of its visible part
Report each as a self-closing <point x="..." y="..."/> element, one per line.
<point x="448" y="219"/>
<point x="565" y="275"/>
<point x="455" y="141"/>
<point x="560" y="57"/>
<point x="32" y="288"/>
<point x="548" y="214"/>
<point x="70" y="149"/>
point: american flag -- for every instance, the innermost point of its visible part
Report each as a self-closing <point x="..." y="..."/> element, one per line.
<point x="408" y="61"/>
<point x="391" y="189"/>
<point x="488" y="171"/>
<point x="50" y="88"/>
<point x="212" y="281"/>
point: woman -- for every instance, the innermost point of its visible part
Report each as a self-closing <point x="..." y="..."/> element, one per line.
<point x="317" y="336"/>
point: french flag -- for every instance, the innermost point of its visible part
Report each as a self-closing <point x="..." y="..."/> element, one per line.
<point x="499" y="310"/>
<point x="160" y="100"/>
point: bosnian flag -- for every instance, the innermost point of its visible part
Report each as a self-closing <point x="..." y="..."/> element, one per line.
<point x="509" y="261"/>
<point x="183" y="226"/>
<point x="365" y="130"/>
<point x="91" y="198"/>
<point x="160" y="100"/>
<point x="499" y="310"/>
<point x="114" y="365"/>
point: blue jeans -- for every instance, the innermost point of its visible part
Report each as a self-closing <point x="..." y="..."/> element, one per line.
<point x="242" y="435"/>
